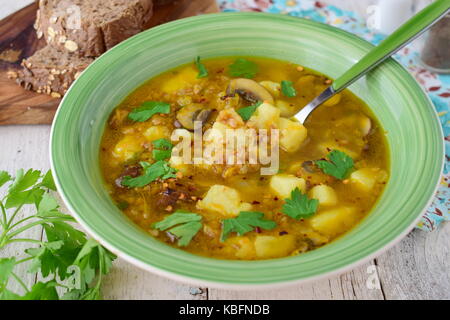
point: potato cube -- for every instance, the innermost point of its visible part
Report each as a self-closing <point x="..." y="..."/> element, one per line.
<point x="325" y="194"/>
<point x="157" y="132"/>
<point x="366" y="178"/>
<point x="292" y="135"/>
<point x="334" y="222"/>
<point x="244" y="247"/>
<point x="287" y="109"/>
<point x="365" y="125"/>
<point x="187" y="77"/>
<point x="268" y="247"/>
<point x="127" y="148"/>
<point x="333" y="101"/>
<point x="283" y="184"/>
<point x="358" y="121"/>
<point x="177" y="163"/>
<point x="266" y="116"/>
<point x="224" y="200"/>
<point x="274" y="88"/>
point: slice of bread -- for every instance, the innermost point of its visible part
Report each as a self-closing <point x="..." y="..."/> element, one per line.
<point x="90" y="27"/>
<point x="51" y="71"/>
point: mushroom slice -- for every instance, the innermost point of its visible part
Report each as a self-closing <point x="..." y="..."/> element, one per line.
<point x="191" y="113"/>
<point x="309" y="166"/>
<point x="203" y="116"/>
<point x="249" y="90"/>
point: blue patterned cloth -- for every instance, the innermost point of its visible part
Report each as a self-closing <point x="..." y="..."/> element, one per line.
<point x="437" y="86"/>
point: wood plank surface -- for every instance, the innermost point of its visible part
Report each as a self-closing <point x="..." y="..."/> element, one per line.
<point x="18" y="41"/>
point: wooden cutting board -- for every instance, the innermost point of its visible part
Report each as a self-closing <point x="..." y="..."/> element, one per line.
<point x="18" y="41"/>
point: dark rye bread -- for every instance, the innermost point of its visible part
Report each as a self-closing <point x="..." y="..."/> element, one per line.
<point x="50" y="71"/>
<point x="91" y="27"/>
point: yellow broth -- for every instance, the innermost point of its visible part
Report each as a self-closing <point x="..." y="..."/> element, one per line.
<point x="344" y="123"/>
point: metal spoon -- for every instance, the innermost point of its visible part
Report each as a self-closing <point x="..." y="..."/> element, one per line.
<point x="401" y="37"/>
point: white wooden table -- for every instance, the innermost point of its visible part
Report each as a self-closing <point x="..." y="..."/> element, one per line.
<point x="416" y="268"/>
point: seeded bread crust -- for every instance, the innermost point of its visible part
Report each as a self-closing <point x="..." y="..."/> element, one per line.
<point x="89" y="28"/>
<point x="50" y="71"/>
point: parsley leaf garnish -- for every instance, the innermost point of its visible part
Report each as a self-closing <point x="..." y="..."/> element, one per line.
<point x="338" y="166"/>
<point x="162" y="149"/>
<point x="24" y="180"/>
<point x="58" y="257"/>
<point x="4" y="177"/>
<point x="184" y="225"/>
<point x="245" y="222"/>
<point x="6" y="268"/>
<point x="159" y="169"/>
<point x="43" y="291"/>
<point x="202" y="71"/>
<point x="48" y="182"/>
<point x="122" y="205"/>
<point x="243" y="68"/>
<point x="300" y="206"/>
<point x="287" y="89"/>
<point x="247" y="112"/>
<point x="30" y="196"/>
<point x="149" y="109"/>
<point x="162" y="144"/>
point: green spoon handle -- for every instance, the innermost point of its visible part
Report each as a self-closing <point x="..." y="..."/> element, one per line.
<point x="402" y="36"/>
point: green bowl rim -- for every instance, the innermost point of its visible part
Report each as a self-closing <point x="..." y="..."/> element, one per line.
<point x="241" y="284"/>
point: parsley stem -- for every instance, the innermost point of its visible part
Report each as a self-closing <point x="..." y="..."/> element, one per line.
<point x="19" y="281"/>
<point x="100" y="274"/>
<point x="34" y="224"/>
<point x="24" y="260"/>
<point x="8" y="224"/>
<point x="23" y="240"/>
<point x="5" y="219"/>
<point x="62" y="286"/>
<point x="21" y="221"/>
<point x="3" y="238"/>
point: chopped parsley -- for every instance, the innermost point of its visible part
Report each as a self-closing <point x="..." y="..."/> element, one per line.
<point x="202" y="71"/>
<point x="246" y="221"/>
<point x="158" y="170"/>
<point x="339" y="164"/>
<point x="148" y="109"/>
<point x="243" y="68"/>
<point x="247" y="112"/>
<point x="287" y="89"/>
<point x="162" y="149"/>
<point x="184" y="225"/>
<point x="122" y="205"/>
<point x="300" y="206"/>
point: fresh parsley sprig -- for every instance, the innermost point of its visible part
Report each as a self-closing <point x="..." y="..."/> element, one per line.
<point x="247" y="112"/>
<point x="158" y="170"/>
<point x="162" y="149"/>
<point x="339" y="164"/>
<point x="243" y="68"/>
<point x="72" y="263"/>
<point x="288" y="89"/>
<point x="148" y="109"/>
<point x="245" y="222"/>
<point x="182" y="224"/>
<point x="202" y="71"/>
<point x="300" y="206"/>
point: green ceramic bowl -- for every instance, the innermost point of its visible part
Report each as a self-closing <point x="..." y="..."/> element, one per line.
<point x="414" y="136"/>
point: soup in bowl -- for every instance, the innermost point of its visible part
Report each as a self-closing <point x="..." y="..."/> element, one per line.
<point x="220" y="196"/>
<point x="339" y="203"/>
